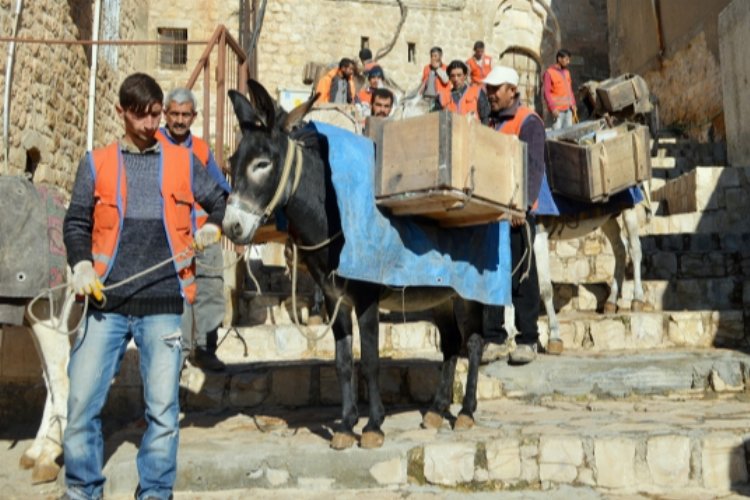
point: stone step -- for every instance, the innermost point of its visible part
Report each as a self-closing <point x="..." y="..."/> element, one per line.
<point x="652" y="448"/>
<point x="705" y="189"/>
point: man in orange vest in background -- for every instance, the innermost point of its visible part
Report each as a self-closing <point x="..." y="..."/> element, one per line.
<point x="434" y="76"/>
<point x="129" y="212"/>
<point x="479" y="65"/>
<point x="462" y="98"/>
<point x="375" y="78"/>
<point x="558" y="91"/>
<point x="508" y="116"/>
<point x="201" y="321"/>
<point x="337" y="86"/>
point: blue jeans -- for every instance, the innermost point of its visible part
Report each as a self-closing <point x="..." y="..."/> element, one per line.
<point x="94" y="362"/>
<point x="564" y="120"/>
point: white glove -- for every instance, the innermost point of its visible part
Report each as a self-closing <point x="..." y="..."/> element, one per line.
<point x="85" y="280"/>
<point x="207" y="235"/>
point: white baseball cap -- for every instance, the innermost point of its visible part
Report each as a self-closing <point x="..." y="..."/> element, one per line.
<point x="500" y="75"/>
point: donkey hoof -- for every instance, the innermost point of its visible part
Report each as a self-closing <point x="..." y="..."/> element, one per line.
<point x="555" y="346"/>
<point x="44" y="473"/>
<point x="26" y="462"/>
<point x="432" y="420"/>
<point x="610" y="308"/>
<point x="372" y="439"/>
<point x="343" y="440"/>
<point x="463" y="423"/>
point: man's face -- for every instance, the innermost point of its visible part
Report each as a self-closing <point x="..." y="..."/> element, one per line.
<point x="435" y="59"/>
<point x="375" y="82"/>
<point x="478" y="53"/>
<point x="347" y="71"/>
<point x="140" y="128"/>
<point x="500" y="96"/>
<point x="458" y="78"/>
<point x="563" y="61"/>
<point x="179" y="117"/>
<point x="381" y="106"/>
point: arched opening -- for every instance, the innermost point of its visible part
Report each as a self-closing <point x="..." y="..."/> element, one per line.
<point x="33" y="157"/>
<point x="528" y="65"/>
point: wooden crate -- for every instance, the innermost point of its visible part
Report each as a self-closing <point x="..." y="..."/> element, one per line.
<point x="451" y="168"/>
<point x="618" y="93"/>
<point x="590" y="162"/>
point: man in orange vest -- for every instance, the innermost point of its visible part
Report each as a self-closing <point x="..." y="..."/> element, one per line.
<point x="434" y="76"/>
<point x="130" y="212"/>
<point x="509" y="116"/>
<point x="375" y="78"/>
<point x="202" y="319"/>
<point x="337" y="86"/>
<point x="479" y="65"/>
<point x="558" y="92"/>
<point x="462" y="98"/>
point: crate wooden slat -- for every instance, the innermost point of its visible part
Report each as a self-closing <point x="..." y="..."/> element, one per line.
<point x="625" y="90"/>
<point x="458" y="168"/>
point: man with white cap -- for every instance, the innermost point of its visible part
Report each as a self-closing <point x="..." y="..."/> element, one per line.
<point x="509" y="116"/>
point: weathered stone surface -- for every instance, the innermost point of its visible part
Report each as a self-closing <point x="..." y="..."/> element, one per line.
<point x="559" y="458"/>
<point x="449" y="464"/>
<point x="723" y="462"/>
<point x="615" y="462"/>
<point x="503" y="459"/>
<point x="391" y="471"/>
<point x="668" y="459"/>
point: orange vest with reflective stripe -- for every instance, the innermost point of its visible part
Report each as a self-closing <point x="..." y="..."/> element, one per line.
<point x="477" y="72"/>
<point x="201" y="150"/>
<point x="365" y="96"/>
<point x="562" y="89"/>
<point x="467" y="104"/>
<point x="513" y="127"/>
<point x="439" y="85"/>
<point x="324" y="86"/>
<point x="110" y="203"/>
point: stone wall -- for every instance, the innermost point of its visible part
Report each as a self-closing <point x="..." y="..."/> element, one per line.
<point x="673" y="44"/>
<point x="734" y="26"/>
<point x="49" y="87"/>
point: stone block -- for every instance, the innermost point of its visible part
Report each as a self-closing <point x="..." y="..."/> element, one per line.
<point x="290" y="386"/>
<point x="504" y="459"/>
<point x="604" y="268"/>
<point x="608" y="334"/>
<point x="647" y="330"/>
<point x="559" y="458"/>
<point x="389" y="472"/>
<point x="248" y="389"/>
<point x="588" y="300"/>
<point x="668" y="460"/>
<point x="449" y="464"/>
<point x="567" y="248"/>
<point x="615" y="462"/>
<point x="727" y="327"/>
<point x="686" y="329"/>
<point x="662" y="265"/>
<point x="704" y="265"/>
<point x="290" y="342"/>
<point x="204" y="389"/>
<point x="415" y="336"/>
<point x="723" y="462"/>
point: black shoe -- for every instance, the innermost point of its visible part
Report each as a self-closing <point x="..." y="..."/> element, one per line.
<point x="201" y="358"/>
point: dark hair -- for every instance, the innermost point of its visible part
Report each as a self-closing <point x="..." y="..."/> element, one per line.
<point x="365" y="54"/>
<point x="478" y="45"/>
<point x="345" y="62"/>
<point x="562" y="53"/>
<point x="458" y="64"/>
<point x="383" y="93"/>
<point x="138" y="92"/>
<point x="436" y="49"/>
<point x="376" y="71"/>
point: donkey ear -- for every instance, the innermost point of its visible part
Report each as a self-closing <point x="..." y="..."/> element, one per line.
<point x="263" y="102"/>
<point x="246" y="114"/>
<point x="296" y="115"/>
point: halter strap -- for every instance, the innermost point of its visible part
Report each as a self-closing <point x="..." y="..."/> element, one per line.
<point x="293" y="160"/>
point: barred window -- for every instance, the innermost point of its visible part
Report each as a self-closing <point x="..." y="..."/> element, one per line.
<point x="173" y="55"/>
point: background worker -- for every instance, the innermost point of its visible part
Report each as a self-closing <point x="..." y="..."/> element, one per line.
<point x="434" y="76"/>
<point x="201" y="321"/>
<point x="375" y="79"/>
<point x="129" y="211"/>
<point x="509" y="116"/>
<point x="382" y="103"/>
<point x="480" y="64"/>
<point x="337" y="86"/>
<point x="462" y="98"/>
<point x="558" y="91"/>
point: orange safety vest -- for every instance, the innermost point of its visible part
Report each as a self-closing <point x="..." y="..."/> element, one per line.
<point x="110" y="203"/>
<point x="324" y="86"/>
<point x="439" y="85"/>
<point x="513" y="127"/>
<point x="365" y="96"/>
<point x="561" y="90"/>
<point x="467" y="104"/>
<point x="201" y="150"/>
<point x="477" y="72"/>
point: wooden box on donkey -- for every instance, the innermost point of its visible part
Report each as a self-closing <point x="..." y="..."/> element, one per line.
<point x="449" y="167"/>
<point x="591" y="162"/>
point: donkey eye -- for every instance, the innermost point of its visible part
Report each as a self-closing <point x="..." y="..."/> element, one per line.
<point x="261" y="165"/>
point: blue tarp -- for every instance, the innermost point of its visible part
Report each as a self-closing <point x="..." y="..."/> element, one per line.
<point x="555" y="204"/>
<point x="403" y="252"/>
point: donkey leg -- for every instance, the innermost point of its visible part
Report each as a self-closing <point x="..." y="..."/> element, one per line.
<point x="612" y="231"/>
<point x="630" y="218"/>
<point x="473" y="330"/>
<point x="367" y="318"/>
<point x="450" y="345"/>
<point x="54" y="350"/>
<point x="342" y="332"/>
<point x="541" y="254"/>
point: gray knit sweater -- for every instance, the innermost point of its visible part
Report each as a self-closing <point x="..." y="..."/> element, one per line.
<point x="143" y="239"/>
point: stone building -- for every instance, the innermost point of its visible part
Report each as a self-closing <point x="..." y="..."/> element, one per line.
<point x="49" y="83"/>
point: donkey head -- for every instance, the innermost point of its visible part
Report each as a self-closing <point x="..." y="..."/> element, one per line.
<point x="257" y="164"/>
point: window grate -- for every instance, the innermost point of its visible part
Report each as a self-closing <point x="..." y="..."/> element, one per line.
<point x="173" y="55"/>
